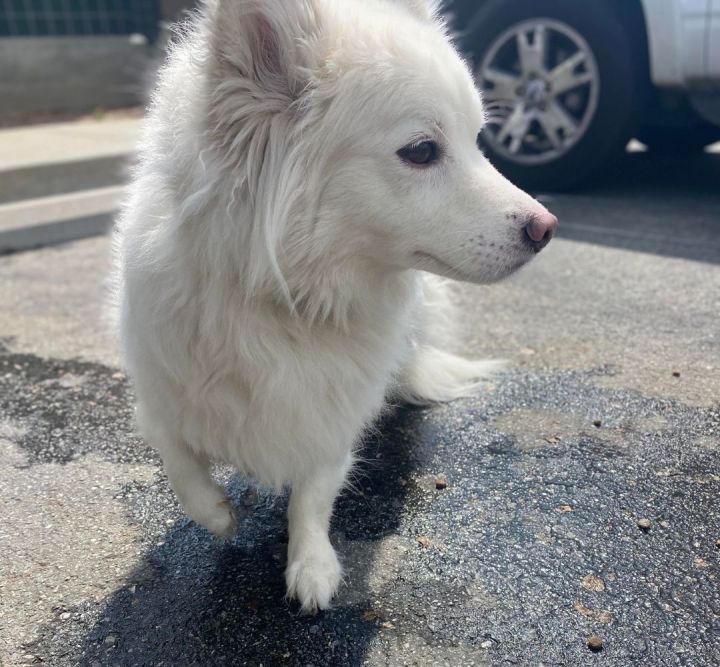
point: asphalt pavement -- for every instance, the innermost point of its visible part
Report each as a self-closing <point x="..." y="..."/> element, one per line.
<point x="576" y="497"/>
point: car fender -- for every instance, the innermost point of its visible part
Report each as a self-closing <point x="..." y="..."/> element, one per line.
<point x="678" y="40"/>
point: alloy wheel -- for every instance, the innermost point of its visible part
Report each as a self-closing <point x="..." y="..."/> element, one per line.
<point x="541" y="86"/>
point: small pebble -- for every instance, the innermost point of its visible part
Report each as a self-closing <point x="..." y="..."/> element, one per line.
<point x="595" y="644"/>
<point x="597" y="423"/>
<point x="440" y="483"/>
<point x="644" y="524"/>
<point x="676" y="374"/>
<point x="593" y="583"/>
<point x="717" y="544"/>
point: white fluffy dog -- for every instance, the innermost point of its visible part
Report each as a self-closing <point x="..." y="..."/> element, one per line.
<point x="302" y="163"/>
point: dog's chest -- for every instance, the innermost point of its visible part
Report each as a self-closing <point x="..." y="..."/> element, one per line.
<point x="289" y="393"/>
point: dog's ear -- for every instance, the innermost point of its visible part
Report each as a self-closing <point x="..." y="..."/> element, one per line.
<point x="266" y="42"/>
<point x="426" y="9"/>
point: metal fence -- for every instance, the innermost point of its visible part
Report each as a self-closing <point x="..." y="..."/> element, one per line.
<point x="31" y="18"/>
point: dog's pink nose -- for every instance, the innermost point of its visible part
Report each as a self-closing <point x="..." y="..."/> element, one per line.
<point x="540" y="229"/>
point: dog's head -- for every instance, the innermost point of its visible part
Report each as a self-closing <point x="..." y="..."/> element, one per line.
<point x="353" y="125"/>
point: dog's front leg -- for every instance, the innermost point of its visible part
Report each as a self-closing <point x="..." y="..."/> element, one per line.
<point x="313" y="571"/>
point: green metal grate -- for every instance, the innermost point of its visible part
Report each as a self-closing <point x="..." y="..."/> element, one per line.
<point x="25" y="18"/>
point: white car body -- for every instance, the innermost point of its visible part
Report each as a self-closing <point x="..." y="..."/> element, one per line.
<point x="684" y="39"/>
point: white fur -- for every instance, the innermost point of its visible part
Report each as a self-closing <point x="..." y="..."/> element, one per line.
<point x="269" y="253"/>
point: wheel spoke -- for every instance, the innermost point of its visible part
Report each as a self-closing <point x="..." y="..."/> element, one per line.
<point x="558" y="124"/>
<point x="565" y="76"/>
<point x="504" y="85"/>
<point x="532" y="55"/>
<point x="541" y="89"/>
<point x="515" y="127"/>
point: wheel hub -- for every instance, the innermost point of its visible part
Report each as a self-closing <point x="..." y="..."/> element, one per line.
<point x="541" y="86"/>
<point x="536" y="94"/>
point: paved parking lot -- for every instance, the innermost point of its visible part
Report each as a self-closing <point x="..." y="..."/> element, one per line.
<point x="582" y="487"/>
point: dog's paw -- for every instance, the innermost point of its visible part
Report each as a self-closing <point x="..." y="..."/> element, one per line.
<point x="218" y="517"/>
<point x="313" y="579"/>
<point x="223" y="523"/>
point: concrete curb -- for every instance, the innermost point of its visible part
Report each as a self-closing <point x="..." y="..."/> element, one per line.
<point x="60" y="178"/>
<point x="50" y="220"/>
<point x="46" y="160"/>
<point x="38" y="236"/>
<point x="74" y="72"/>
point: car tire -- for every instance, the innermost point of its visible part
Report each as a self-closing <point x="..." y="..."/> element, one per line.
<point x="606" y="130"/>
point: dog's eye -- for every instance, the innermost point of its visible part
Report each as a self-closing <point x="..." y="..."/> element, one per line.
<point x="423" y="153"/>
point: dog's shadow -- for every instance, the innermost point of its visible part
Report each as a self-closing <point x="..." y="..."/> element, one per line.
<point x="196" y="601"/>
